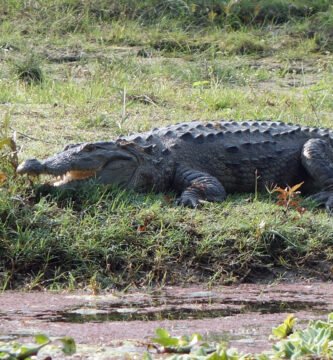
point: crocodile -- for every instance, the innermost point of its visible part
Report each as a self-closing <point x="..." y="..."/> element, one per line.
<point x="201" y="161"/>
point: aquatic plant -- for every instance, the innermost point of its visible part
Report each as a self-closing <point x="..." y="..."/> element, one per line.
<point x="25" y="351"/>
<point x="313" y="342"/>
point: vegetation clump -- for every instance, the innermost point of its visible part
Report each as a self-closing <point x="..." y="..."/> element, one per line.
<point x="244" y="44"/>
<point x="321" y="27"/>
<point x="267" y="12"/>
<point x="313" y="342"/>
<point x="29" y="71"/>
<point x="78" y="15"/>
<point x="25" y="351"/>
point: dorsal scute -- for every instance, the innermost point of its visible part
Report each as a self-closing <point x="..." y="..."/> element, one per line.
<point x="186" y="136"/>
<point x="231" y="132"/>
<point x="254" y="131"/>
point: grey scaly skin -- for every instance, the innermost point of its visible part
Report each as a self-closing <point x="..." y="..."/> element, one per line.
<point x="202" y="161"/>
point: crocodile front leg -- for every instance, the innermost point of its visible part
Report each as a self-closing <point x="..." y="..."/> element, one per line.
<point x="196" y="186"/>
<point x="317" y="158"/>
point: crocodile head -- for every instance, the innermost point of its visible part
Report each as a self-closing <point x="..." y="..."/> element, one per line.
<point x="120" y="163"/>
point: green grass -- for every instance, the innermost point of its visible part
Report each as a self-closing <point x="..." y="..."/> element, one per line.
<point x="29" y="71"/>
<point x="128" y="238"/>
<point x="190" y="64"/>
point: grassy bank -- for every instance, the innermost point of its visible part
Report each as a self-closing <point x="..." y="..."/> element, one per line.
<point x="90" y="70"/>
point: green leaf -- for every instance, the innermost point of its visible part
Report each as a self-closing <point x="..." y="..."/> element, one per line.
<point x="147" y="356"/>
<point x="194" y="339"/>
<point x="69" y="346"/>
<point x="330" y="317"/>
<point x="285" y="329"/>
<point x="27" y="350"/>
<point x="5" y="142"/>
<point x="167" y="342"/>
<point x="41" y="339"/>
<point x="162" y="333"/>
<point x="163" y="338"/>
<point x="222" y="353"/>
<point x="200" y="83"/>
<point x="5" y="354"/>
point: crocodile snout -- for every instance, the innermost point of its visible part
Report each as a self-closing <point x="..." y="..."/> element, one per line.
<point x="31" y="167"/>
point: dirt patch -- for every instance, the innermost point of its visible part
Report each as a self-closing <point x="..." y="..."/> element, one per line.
<point x="118" y="324"/>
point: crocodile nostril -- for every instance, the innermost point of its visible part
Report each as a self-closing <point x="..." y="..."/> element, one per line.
<point x="30" y="166"/>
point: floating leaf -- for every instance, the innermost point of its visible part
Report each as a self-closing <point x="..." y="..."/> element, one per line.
<point x="180" y="345"/>
<point x="162" y="333"/>
<point x="163" y="338"/>
<point x="27" y="350"/>
<point x="286" y="328"/>
<point x="41" y="339"/>
<point x="69" y="346"/>
<point x="194" y="339"/>
<point x="147" y="356"/>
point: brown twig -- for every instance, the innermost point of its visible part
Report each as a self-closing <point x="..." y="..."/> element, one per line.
<point x="33" y="138"/>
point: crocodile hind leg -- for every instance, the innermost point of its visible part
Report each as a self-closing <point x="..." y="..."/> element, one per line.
<point x="317" y="158"/>
<point x="197" y="186"/>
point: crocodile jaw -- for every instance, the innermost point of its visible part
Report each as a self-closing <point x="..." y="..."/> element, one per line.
<point x="73" y="175"/>
<point x="34" y="167"/>
<point x="107" y="162"/>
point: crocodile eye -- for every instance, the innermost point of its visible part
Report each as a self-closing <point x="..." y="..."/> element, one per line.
<point x="70" y="146"/>
<point x="88" y="147"/>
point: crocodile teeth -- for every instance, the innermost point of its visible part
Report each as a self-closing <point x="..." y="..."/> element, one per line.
<point x="61" y="179"/>
<point x="73" y="175"/>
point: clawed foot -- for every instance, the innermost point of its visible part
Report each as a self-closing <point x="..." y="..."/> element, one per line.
<point x="324" y="198"/>
<point x="189" y="201"/>
<point x="329" y="205"/>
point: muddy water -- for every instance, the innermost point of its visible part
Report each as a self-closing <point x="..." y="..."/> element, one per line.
<point x="118" y="325"/>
